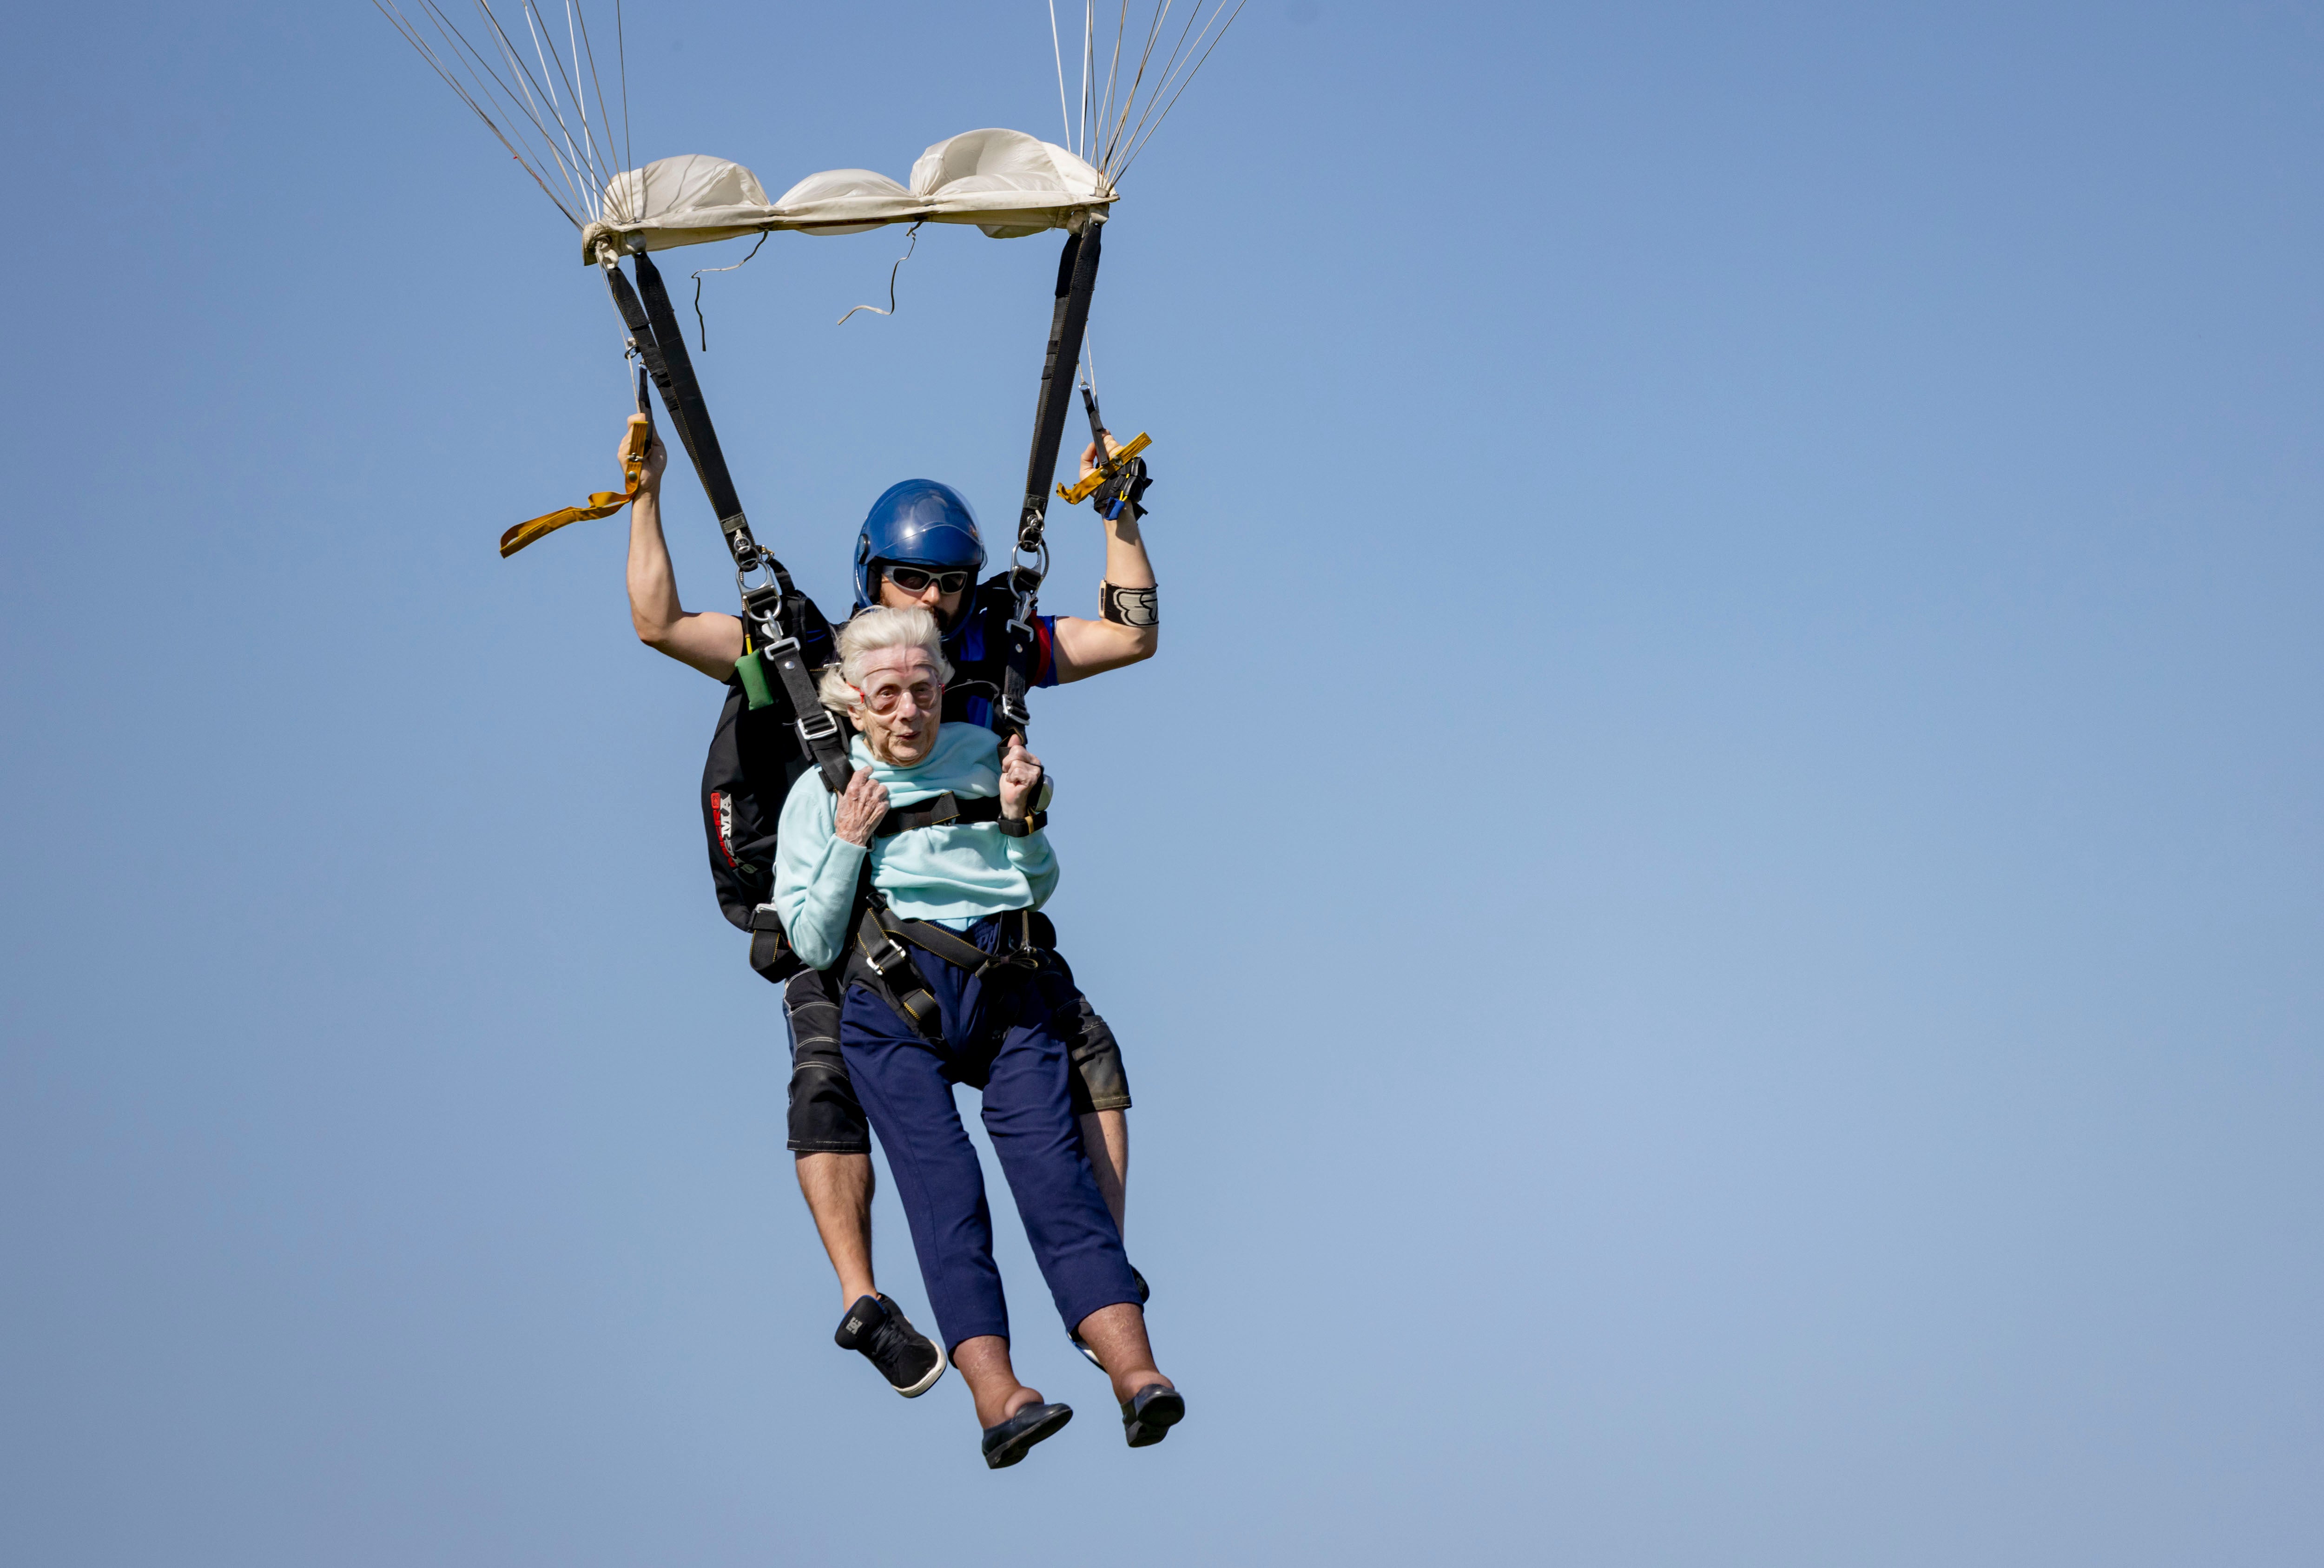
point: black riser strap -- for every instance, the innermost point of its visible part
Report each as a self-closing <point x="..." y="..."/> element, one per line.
<point x="682" y="394"/>
<point x="661" y="344"/>
<point x="709" y="461"/>
<point x="1068" y="320"/>
<point x="820" y="733"/>
<point x="649" y="347"/>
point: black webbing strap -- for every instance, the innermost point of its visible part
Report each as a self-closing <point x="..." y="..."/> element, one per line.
<point x="1068" y="318"/>
<point x="887" y="968"/>
<point x="950" y="945"/>
<point x="946" y="808"/>
<point x="770" y="948"/>
<point x="772" y="607"/>
<point x="709" y="459"/>
<point x="949" y="809"/>
<point x="882" y="960"/>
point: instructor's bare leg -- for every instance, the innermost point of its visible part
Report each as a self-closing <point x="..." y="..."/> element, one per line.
<point x="838" y="1192"/>
<point x="984" y="1362"/>
<point x="1106" y="1134"/>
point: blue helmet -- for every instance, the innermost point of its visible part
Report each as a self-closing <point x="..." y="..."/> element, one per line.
<point x="920" y="523"/>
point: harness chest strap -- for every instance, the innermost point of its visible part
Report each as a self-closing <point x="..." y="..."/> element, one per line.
<point x="947" y="810"/>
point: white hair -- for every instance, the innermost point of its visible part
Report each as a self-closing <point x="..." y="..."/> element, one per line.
<point x="870" y="632"/>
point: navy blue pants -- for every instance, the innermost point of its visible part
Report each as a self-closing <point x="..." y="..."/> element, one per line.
<point x="997" y="1036"/>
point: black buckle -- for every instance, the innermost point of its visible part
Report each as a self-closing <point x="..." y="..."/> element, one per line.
<point x="809" y="731"/>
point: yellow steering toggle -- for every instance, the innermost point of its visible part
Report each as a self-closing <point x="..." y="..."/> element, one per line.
<point x="1106" y="470"/>
<point x="602" y="503"/>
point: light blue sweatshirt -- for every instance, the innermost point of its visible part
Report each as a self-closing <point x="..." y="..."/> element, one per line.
<point x="955" y="875"/>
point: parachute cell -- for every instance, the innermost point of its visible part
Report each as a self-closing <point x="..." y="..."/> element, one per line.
<point x="1006" y="182"/>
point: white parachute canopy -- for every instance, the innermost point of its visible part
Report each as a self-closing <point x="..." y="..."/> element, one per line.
<point x="1006" y="182"/>
<point x="532" y="72"/>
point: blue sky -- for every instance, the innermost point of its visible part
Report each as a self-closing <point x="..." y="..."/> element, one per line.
<point x="1713" y="901"/>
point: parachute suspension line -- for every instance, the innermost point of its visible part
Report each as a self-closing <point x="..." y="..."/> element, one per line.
<point x="1154" y="34"/>
<point x="548" y="90"/>
<point x="698" y="322"/>
<point x="584" y="157"/>
<point x="1113" y="71"/>
<point x="913" y="235"/>
<point x="1145" y="54"/>
<point x="573" y="95"/>
<point x="1116" y="119"/>
<point x="601" y="156"/>
<point x="573" y="15"/>
<point x="531" y="105"/>
<point x="1089" y="36"/>
<point x="622" y="57"/>
<point x="1144" y="131"/>
<point x="1057" y="53"/>
<point x="412" y="35"/>
<point x="531" y="94"/>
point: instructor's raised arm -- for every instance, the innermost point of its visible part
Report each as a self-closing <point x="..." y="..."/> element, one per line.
<point x="707" y="640"/>
<point x="1129" y="631"/>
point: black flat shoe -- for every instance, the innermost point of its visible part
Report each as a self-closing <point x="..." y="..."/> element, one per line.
<point x="1147" y="1416"/>
<point x="1007" y="1442"/>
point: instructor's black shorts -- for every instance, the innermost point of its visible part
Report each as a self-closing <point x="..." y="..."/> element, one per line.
<point x="824" y="1115"/>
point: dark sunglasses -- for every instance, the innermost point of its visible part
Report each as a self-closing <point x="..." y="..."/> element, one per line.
<point x="916" y="580"/>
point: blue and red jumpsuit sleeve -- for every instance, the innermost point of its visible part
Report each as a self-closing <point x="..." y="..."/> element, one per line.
<point x="1045" y="664"/>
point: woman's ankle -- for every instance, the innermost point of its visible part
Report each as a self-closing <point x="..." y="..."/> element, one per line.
<point x="992" y="1412"/>
<point x="1136" y="1380"/>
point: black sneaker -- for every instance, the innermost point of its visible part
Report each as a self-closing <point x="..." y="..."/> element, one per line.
<point x="906" y="1357"/>
<point x="1011" y="1441"/>
<point x="1089" y="1355"/>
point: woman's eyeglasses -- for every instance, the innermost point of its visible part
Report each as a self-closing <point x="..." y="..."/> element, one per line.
<point x="883" y="698"/>
<point x="916" y="580"/>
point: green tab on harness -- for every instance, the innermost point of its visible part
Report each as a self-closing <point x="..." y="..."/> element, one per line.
<point x="753" y="673"/>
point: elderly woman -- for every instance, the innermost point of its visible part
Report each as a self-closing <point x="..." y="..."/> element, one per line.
<point x="937" y="995"/>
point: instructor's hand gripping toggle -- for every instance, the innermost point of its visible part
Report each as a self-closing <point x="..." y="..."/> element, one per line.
<point x="1108" y="469"/>
<point x="602" y="502"/>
